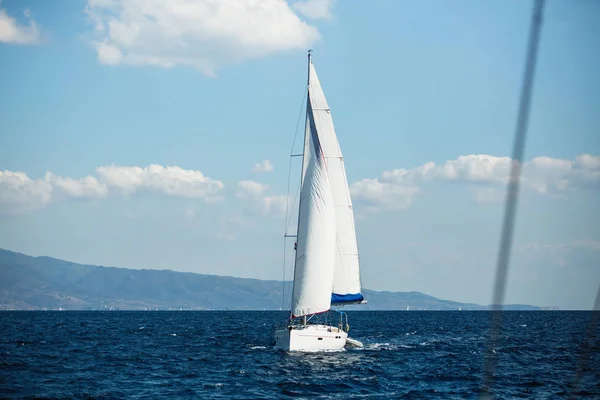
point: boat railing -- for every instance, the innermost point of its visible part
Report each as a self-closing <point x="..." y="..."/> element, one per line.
<point x="344" y="326"/>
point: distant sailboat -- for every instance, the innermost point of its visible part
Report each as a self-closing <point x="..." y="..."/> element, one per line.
<point x="326" y="267"/>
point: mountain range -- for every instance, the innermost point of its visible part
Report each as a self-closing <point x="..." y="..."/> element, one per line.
<point x="38" y="283"/>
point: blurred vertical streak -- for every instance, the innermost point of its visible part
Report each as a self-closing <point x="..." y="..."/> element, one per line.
<point x="512" y="195"/>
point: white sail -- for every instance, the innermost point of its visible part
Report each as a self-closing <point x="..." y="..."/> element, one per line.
<point x="346" y="287"/>
<point x="315" y="254"/>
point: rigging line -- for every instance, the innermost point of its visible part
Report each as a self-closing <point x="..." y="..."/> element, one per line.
<point x="287" y="199"/>
<point x="284" y="252"/>
<point x="296" y="196"/>
<point x="290" y="161"/>
<point x="283" y="277"/>
<point x="513" y="192"/>
<point x="293" y="207"/>
<point x="587" y="345"/>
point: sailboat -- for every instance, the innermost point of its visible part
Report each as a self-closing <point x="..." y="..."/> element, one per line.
<point x="326" y="265"/>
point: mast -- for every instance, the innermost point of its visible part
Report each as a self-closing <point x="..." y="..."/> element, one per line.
<point x="306" y="115"/>
<point x="309" y="62"/>
<point x="302" y="167"/>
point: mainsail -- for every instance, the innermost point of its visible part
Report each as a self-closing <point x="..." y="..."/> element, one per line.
<point x="327" y="267"/>
<point x="315" y="253"/>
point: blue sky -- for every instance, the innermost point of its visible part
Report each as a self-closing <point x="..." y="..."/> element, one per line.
<point x="149" y="135"/>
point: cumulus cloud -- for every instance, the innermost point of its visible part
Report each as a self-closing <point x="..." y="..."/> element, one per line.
<point x="87" y="187"/>
<point x="380" y="193"/>
<point x="13" y="32"/>
<point x="477" y="168"/>
<point x="485" y="174"/>
<point x="314" y="9"/>
<point x="172" y="181"/>
<point x="204" y="34"/>
<point x="263" y="166"/>
<point x="250" y="189"/>
<point x="19" y="193"/>
<point x="548" y="175"/>
<point x="588" y="161"/>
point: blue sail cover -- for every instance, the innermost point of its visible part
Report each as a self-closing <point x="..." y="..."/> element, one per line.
<point x="346" y="298"/>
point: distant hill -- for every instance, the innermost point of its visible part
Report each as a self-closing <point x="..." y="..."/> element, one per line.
<point x="34" y="283"/>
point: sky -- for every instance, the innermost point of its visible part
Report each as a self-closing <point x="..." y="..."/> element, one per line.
<point x="157" y="135"/>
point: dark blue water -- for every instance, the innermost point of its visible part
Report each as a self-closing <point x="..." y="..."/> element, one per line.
<point x="229" y="355"/>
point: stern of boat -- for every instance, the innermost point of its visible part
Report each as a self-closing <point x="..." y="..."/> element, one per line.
<point x="310" y="338"/>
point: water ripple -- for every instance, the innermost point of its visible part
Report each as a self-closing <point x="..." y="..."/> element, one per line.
<point x="229" y="355"/>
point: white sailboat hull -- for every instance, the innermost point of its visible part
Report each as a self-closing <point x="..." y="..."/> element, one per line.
<point x="310" y="338"/>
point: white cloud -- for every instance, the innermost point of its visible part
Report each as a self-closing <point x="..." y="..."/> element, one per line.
<point x="12" y="32"/>
<point x="555" y="176"/>
<point x="274" y="204"/>
<point x="172" y="181"/>
<point x="486" y="175"/>
<point x="263" y="166"/>
<point x="19" y="193"/>
<point x="109" y="54"/>
<point x="587" y="170"/>
<point x="87" y="187"/>
<point x="204" y="34"/>
<point x="588" y="161"/>
<point x="315" y="9"/>
<point x="377" y="193"/>
<point x="251" y="189"/>
<point x="545" y="174"/>
<point x="477" y="168"/>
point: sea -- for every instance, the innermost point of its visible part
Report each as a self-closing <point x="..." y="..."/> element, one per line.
<point x="230" y="355"/>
